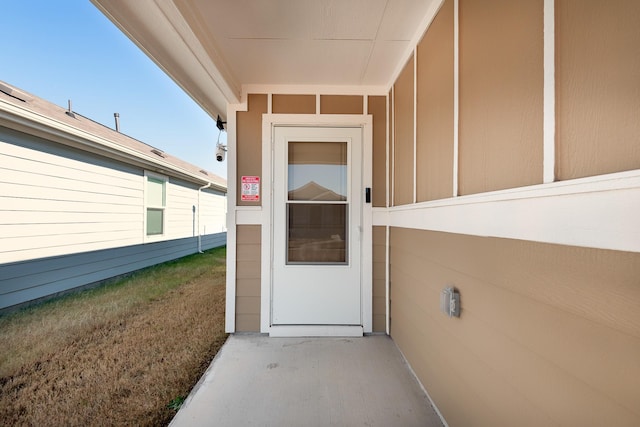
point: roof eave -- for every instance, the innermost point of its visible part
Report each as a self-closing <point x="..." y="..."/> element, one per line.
<point x="164" y="35"/>
<point x="31" y="123"/>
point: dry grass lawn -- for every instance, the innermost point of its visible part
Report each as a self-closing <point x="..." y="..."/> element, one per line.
<point x="114" y="355"/>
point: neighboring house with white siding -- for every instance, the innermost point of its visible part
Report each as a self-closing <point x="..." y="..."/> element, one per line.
<point x="81" y="203"/>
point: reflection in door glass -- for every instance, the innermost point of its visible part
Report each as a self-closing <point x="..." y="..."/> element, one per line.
<point x="317" y="171"/>
<point x="317" y="230"/>
<point x="317" y="233"/>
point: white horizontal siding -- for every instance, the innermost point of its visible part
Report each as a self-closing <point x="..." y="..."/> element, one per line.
<point x="75" y="192"/>
<point x="213" y="214"/>
<point x="181" y="219"/>
<point x="59" y="177"/>
<point x="51" y="217"/>
<point x="20" y="204"/>
<point x="23" y="231"/>
<point x="26" y="153"/>
<point x="57" y="201"/>
<point x="69" y="218"/>
<point x="49" y="251"/>
<point x="12" y="247"/>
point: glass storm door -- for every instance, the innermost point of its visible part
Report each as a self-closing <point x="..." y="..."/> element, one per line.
<point x="317" y="226"/>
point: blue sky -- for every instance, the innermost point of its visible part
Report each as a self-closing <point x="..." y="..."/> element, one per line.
<point x="66" y="49"/>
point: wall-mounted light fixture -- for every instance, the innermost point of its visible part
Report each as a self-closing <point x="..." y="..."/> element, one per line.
<point x="450" y="302"/>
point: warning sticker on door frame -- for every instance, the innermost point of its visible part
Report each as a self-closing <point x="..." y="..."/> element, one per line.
<point x="250" y="189"/>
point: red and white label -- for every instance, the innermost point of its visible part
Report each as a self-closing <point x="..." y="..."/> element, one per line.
<point x="250" y="191"/>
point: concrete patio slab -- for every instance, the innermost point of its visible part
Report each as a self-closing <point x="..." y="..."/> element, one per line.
<point x="260" y="381"/>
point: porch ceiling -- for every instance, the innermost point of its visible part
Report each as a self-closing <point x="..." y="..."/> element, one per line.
<point x="212" y="48"/>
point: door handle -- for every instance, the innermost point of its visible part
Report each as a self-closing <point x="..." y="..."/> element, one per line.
<point x="367" y="195"/>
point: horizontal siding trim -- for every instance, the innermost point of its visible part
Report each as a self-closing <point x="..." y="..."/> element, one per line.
<point x="598" y="212"/>
<point x="245" y="216"/>
<point x="30" y="280"/>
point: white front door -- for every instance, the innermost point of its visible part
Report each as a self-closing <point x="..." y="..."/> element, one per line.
<point x="317" y="226"/>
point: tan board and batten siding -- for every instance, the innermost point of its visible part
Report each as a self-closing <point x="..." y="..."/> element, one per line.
<point x="249" y="143"/>
<point x="434" y="103"/>
<point x="389" y="187"/>
<point x="341" y="104"/>
<point x="501" y="88"/>
<point x="403" y="148"/>
<point x="248" y="240"/>
<point x="379" y="279"/>
<point x="377" y="107"/>
<point x="549" y="334"/>
<point x="293" y="104"/>
<point x="598" y="87"/>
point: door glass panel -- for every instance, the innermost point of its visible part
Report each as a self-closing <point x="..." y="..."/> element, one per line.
<point x="317" y="171"/>
<point x="316" y="233"/>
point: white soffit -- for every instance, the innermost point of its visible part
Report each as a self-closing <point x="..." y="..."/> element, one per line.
<point x="212" y="48"/>
<point x="314" y="42"/>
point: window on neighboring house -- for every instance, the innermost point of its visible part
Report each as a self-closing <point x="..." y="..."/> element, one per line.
<point x="156" y="202"/>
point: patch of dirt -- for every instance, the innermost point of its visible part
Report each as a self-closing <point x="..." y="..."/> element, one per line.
<point x="126" y="371"/>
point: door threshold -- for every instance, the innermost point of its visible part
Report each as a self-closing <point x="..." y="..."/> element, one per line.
<point x="282" y="331"/>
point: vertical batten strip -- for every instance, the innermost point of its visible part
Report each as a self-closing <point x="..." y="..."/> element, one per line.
<point x="230" y="311"/>
<point x="549" y="101"/>
<point x="386" y="280"/>
<point x="456" y="92"/>
<point x="269" y="103"/>
<point x="386" y="153"/>
<point x="266" y="252"/>
<point x="392" y="201"/>
<point x="317" y="103"/>
<point x="415" y="124"/>
<point x="388" y="192"/>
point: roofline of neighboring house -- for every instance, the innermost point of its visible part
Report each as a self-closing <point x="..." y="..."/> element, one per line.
<point x="164" y="34"/>
<point x="26" y="121"/>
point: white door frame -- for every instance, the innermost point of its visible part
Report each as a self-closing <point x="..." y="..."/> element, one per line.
<point x="315" y="120"/>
